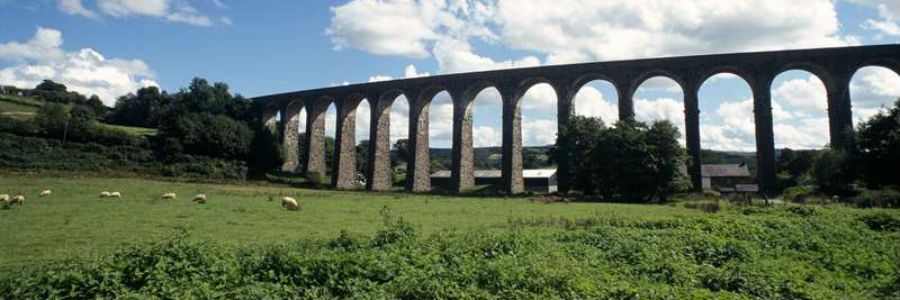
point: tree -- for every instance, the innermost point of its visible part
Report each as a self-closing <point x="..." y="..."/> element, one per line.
<point x="143" y="109"/>
<point x="81" y="120"/>
<point x="362" y="157"/>
<point x="51" y="119"/>
<point x="878" y="140"/>
<point x="50" y="86"/>
<point x="833" y="172"/>
<point x="631" y="161"/>
<point x="400" y="152"/>
<point x="210" y="135"/>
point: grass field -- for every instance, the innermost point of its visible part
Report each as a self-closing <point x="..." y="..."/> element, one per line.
<point x="242" y="245"/>
<point x="75" y="222"/>
<point x="25" y="108"/>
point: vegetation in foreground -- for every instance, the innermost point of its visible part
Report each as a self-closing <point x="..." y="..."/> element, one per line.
<point x="785" y="252"/>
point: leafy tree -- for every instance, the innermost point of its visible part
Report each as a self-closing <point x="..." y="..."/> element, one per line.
<point x="210" y="135"/>
<point x="400" y="152"/>
<point x="833" y="172"/>
<point x="631" y="161"/>
<point x="362" y="157"/>
<point x="50" y="86"/>
<point x="81" y="120"/>
<point x="143" y="109"/>
<point x="51" y="119"/>
<point x="878" y="140"/>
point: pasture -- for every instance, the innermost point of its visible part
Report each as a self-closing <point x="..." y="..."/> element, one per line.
<point x="242" y="245"/>
<point x="76" y="223"/>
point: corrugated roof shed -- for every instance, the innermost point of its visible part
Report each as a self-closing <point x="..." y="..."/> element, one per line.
<point x="725" y="170"/>
<point x="536" y="173"/>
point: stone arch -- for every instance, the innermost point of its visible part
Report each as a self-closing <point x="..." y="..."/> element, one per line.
<point x="381" y="132"/>
<point x="608" y="110"/>
<point x="315" y="160"/>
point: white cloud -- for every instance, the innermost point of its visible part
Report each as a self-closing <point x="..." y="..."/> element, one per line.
<point x="44" y="46"/>
<point x="806" y="94"/>
<point x="871" y="89"/>
<point x="889" y="10"/>
<point x="486" y="136"/>
<point x="661" y="109"/>
<point x="591" y="102"/>
<point x="85" y="71"/>
<point x="177" y="11"/>
<point x="539" y="132"/>
<point x="75" y="7"/>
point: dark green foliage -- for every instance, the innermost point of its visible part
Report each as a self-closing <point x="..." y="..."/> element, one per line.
<point x="630" y="161"/>
<point x="265" y="153"/>
<point x="400" y="152"/>
<point x="51" y="119"/>
<point x="141" y="110"/>
<point x="886" y="197"/>
<point x="833" y="172"/>
<point x="879" y="144"/>
<point x="209" y="135"/>
<point x="882" y="222"/>
<point x="728" y="255"/>
<point x="362" y="157"/>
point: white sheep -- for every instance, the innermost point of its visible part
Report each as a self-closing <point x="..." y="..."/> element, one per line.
<point x="45" y="193"/>
<point x="4" y="198"/>
<point x="104" y="194"/>
<point x="200" y="198"/>
<point x="115" y="194"/>
<point x="289" y="203"/>
<point x="19" y="199"/>
<point x="169" y="196"/>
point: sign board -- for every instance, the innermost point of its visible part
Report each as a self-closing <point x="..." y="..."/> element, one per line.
<point x="746" y="187"/>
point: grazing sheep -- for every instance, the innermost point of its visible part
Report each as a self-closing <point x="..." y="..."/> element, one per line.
<point x="115" y="194"/>
<point x="169" y="196"/>
<point x="19" y="199"/>
<point x="105" y="194"/>
<point x="200" y="198"/>
<point x="289" y="203"/>
<point x="45" y="193"/>
<point x="4" y="198"/>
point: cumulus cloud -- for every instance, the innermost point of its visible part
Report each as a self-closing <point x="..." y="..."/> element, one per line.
<point x="872" y="89"/>
<point x="176" y="11"/>
<point x="889" y="11"/>
<point x="805" y="94"/>
<point x="591" y="102"/>
<point x="85" y="71"/>
<point x="75" y="7"/>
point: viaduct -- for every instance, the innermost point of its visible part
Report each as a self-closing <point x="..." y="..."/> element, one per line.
<point x="834" y="66"/>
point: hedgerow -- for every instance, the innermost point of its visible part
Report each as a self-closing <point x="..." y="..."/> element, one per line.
<point x="772" y="253"/>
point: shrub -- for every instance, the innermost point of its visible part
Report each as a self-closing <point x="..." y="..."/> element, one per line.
<point x="886" y="198"/>
<point x="882" y="222"/>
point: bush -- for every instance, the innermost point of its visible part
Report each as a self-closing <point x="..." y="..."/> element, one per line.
<point x="885" y="198"/>
<point x="799" y="194"/>
<point x="882" y="222"/>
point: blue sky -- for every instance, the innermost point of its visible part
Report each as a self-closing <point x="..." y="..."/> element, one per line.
<point x="112" y="47"/>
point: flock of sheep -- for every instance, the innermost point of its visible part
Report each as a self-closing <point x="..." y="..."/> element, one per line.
<point x="287" y="202"/>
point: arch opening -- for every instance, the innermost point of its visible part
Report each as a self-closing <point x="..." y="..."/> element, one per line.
<point x="597" y="98"/>
<point x="440" y="135"/>
<point x="872" y="89"/>
<point x="538" y="107"/>
<point x="799" y="111"/>
<point x="399" y="139"/>
<point x="727" y="131"/>
<point x="661" y="98"/>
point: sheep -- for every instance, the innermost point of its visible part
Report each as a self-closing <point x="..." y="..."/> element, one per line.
<point x="289" y="203"/>
<point x="115" y="194"/>
<point x="105" y="194"/>
<point x="4" y="198"/>
<point x="200" y="198"/>
<point x="169" y="196"/>
<point x="19" y="199"/>
<point x="45" y="193"/>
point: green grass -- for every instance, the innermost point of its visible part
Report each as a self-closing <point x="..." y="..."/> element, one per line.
<point x="242" y="245"/>
<point x="75" y="223"/>
<point x="132" y="130"/>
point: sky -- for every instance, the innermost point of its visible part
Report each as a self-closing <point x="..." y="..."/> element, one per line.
<point x="113" y="47"/>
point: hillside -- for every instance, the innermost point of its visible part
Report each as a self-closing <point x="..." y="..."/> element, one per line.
<point x="27" y="107"/>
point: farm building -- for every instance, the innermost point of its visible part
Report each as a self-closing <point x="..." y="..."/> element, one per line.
<point x="536" y="181"/>
<point x="725" y="177"/>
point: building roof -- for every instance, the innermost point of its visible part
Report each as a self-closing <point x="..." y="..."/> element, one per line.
<point x="725" y="170"/>
<point x="535" y="173"/>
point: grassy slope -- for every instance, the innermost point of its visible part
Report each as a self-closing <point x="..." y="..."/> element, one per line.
<point x="74" y="222"/>
<point x="24" y="107"/>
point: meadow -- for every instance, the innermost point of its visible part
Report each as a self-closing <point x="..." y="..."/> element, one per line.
<point x="243" y="245"/>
